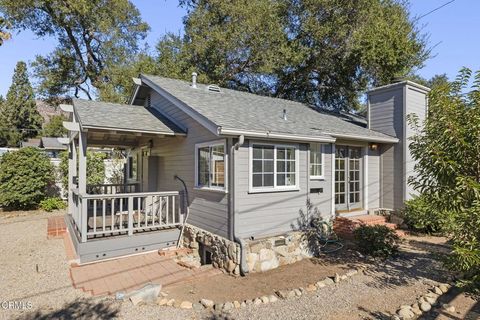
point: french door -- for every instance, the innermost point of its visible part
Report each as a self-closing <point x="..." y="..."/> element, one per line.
<point x="348" y="177"/>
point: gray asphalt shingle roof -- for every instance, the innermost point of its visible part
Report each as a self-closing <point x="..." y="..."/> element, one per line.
<point x="231" y="109"/>
<point x="52" y="143"/>
<point x="95" y="114"/>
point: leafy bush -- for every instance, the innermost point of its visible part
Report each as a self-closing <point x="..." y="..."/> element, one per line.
<point x="376" y="240"/>
<point x="25" y="178"/>
<point x="420" y="216"/>
<point x="54" y="203"/>
<point x="95" y="168"/>
<point x="445" y="148"/>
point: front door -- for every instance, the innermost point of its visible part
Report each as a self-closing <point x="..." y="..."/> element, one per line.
<point x="348" y="175"/>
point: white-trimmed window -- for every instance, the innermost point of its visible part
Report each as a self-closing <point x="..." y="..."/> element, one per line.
<point x="210" y="165"/>
<point x="273" y="167"/>
<point x="316" y="161"/>
<point x="132" y="166"/>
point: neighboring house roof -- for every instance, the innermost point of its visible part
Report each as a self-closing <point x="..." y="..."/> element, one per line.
<point x="35" y="142"/>
<point x="52" y="143"/>
<point x="122" y="117"/>
<point x="232" y="110"/>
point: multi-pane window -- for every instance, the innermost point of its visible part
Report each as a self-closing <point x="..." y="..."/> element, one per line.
<point x="354" y="175"/>
<point x="340" y="181"/>
<point x="263" y="166"/>
<point x="132" y="167"/>
<point x="211" y="166"/>
<point x="316" y="161"/>
<point x="274" y="166"/>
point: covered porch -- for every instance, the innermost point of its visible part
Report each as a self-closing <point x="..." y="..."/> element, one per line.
<point x="111" y="220"/>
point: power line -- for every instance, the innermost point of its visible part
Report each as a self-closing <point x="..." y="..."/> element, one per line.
<point x="433" y="10"/>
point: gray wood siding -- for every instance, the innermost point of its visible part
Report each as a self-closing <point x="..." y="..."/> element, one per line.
<point x="386" y="111"/>
<point x="415" y="104"/>
<point x="264" y="214"/>
<point x="323" y="201"/>
<point x="373" y="180"/>
<point x="208" y="209"/>
<point x="387" y="116"/>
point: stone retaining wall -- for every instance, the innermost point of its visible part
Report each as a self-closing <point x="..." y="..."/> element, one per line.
<point x="270" y="253"/>
<point x="225" y="254"/>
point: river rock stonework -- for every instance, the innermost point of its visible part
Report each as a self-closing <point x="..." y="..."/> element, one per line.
<point x="225" y="254"/>
<point x="270" y="253"/>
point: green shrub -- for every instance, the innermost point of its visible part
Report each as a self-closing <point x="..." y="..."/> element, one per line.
<point x="54" y="203"/>
<point x="420" y="216"/>
<point x="376" y="240"/>
<point x="95" y="168"/>
<point x="25" y="178"/>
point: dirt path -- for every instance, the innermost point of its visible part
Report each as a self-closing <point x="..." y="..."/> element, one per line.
<point x="373" y="295"/>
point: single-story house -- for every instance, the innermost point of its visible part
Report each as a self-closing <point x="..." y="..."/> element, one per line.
<point x="232" y="170"/>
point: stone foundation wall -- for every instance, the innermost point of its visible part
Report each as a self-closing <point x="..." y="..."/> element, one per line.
<point x="225" y="254"/>
<point x="270" y="253"/>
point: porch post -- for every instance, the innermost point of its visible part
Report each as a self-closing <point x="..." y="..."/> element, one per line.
<point x="82" y="163"/>
<point x="82" y="182"/>
<point x="72" y="171"/>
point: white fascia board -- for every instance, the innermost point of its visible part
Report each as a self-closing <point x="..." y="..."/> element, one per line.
<point x="364" y="138"/>
<point x="204" y="121"/>
<point x="134" y="95"/>
<point x="66" y="108"/>
<point x="276" y="136"/>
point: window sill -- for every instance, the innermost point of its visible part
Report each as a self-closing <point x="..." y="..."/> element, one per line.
<point x="210" y="189"/>
<point x="273" y="190"/>
<point x="320" y="178"/>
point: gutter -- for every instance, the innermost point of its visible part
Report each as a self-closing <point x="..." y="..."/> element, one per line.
<point x="364" y="138"/>
<point x="243" y="259"/>
<point x="270" y="135"/>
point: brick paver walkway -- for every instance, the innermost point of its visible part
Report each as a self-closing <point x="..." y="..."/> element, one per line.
<point x="56" y="227"/>
<point x="131" y="273"/>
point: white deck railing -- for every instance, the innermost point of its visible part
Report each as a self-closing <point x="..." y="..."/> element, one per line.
<point x="97" y="215"/>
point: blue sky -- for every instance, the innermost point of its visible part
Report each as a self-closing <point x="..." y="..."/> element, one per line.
<point x="453" y="32"/>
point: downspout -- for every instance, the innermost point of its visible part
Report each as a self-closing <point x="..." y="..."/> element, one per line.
<point x="180" y="236"/>
<point x="243" y="260"/>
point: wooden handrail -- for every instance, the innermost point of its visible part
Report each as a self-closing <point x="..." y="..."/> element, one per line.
<point x="126" y="195"/>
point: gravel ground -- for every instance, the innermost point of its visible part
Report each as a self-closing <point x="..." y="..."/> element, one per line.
<point x="24" y="245"/>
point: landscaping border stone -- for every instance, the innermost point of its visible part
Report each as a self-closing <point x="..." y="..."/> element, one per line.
<point x="424" y="304"/>
<point x="206" y="304"/>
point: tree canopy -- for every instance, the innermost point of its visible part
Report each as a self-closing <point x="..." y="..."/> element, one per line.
<point x="18" y="112"/>
<point x="55" y="128"/>
<point x="4" y="34"/>
<point x="323" y="53"/>
<point x="446" y="148"/>
<point x="93" y="36"/>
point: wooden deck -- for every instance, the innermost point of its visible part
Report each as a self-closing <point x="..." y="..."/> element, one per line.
<point x="104" y="226"/>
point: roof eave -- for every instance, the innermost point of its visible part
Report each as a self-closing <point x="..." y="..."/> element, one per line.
<point x="275" y="136"/>
<point x="364" y="138"/>
<point x="166" y="133"/>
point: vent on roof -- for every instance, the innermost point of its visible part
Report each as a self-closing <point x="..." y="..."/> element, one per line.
<point x="148" y="101"/>
<point x="213" y="88"/>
